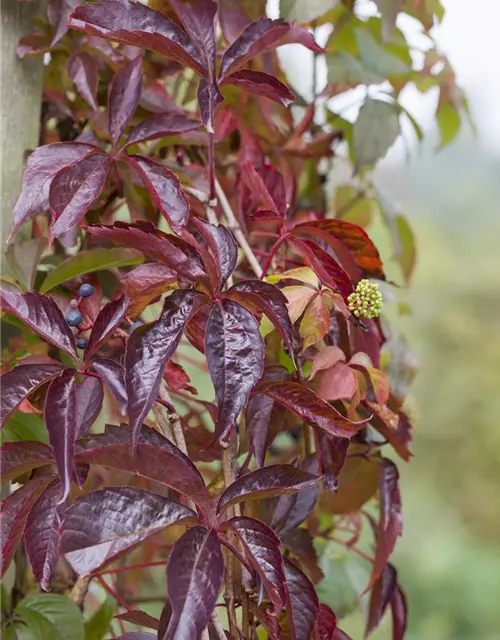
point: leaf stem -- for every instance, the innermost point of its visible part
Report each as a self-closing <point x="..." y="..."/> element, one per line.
<point x="79" y="590"/>
<point x="211" y="166"/>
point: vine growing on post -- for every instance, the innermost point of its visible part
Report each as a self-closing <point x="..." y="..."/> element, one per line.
<point x="197" y="383"/>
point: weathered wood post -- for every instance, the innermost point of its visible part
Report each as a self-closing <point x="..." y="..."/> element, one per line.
<point x="21" y="97"/>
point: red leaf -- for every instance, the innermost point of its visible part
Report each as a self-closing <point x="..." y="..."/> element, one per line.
<point x="41" y="314"/>
<point x="327" y="358"/>
<point x="275" y="480"/>
<point x="399" y="614"/>
<point x="196" y="327"/>
<point x="268" y="299"/>
<point x="58" y="12"/>
<point x="331" y="452"/>
<point x="326" y="267"/>
<point x="327" y="623"/>
<point x="61" y="421"/>
<point x="267" y="189"/>
<point x="303" y="602"/>
<point x="164" y="187"/>
<point x="149" y="348"/>
<point x="156" y="458"/>
<point x="261" y="414"/>
<point x="209" y="99"/>
<point x="104" y="524"/>
<point x="113" y="376"/>
<point x="137" y="25"/>
<point x="89" y="399"/>
<point x="262" y="84"/>
<point x="83" y="70"/>
<point x="262" y="547"/>
<point x="391" y="520"/>
<point x="176" y="378"/>
<point x="109" y="318"/>
<point x="338" y="383"/>
<point x="235" y="358"/>
<point x="310" y="407"/>
<point x="124" y="93"/>
<point x="19" y="382"/>
<point x="382" y="593"/>
<point x="301" y="35"/>
<point x="18" y="457"/>
<point x="145" y="283"/>
<point x="351" y="236"/>
<point x="139" y="618"/>
<point x="164" y="248"/>
<point x="43" y="533"/>
<point x="259" y="36"/>
<point x="74" y="189"/>
<point x="292" y="509"/>
<point x="194" y="578"/>
<point x="199" y="19"/>
<point x="14" y="512"/>
<point x="160" y="126"/>
<point x="222" y="246"/>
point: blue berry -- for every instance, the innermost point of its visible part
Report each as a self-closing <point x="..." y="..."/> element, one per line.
<point x="136" y="324"/>
<point x="74" y="318"/>
<point x="81" y="343"/>
<point x="86" y="290"/>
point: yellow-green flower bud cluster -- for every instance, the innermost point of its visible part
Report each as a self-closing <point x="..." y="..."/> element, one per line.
<point x="366" y="300"/>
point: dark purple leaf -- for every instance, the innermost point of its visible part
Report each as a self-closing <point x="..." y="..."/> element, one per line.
<point x="209" y="99"/>
<point x="267" y="189"/>
<point x="160" y="126"/>
<point x="391" y="519"/>
<point x="149" y="348"/>
<point x="303" y="602"/>
<point x="262" y="547"/>
<point x="83" y="70"/>
<point x="194" y="577"/>
<point x="61" y="421"/>
<point x="135" y="24"/>
<point x="301" y="35"/>
<point x="261" y="414"/>
<point x="41" y="314"/>
<point x="399" y="614"/>
<point x="310" y="407"/>
<point x="268" y="299"/>
<point x="58" y="12"/>
<point x="140" y="618"/>
<point x="222" y="246"/>
<point x="14" y="512"/>
<point x="235" y="358"/>
<point x="102" y="525"/>
<point x="89" y="399"/>
<point x="351" y="236"/>
<point x="326" y="267"/>
<point x="109" y="318"/>
<point x="258" y="37"/>
<point x="18" y="457"/>
<point x="327" y="623"/>
<point x="124" y="93"/>
<point x="199" y="19"/>
<point x="165" y="616"/>
<point x="43" y="533"/>
<point x="164" y="248"/>
<point x="381" y="594"/>
<point x="113" y="376"/>
<point x="74" y="189"/>
<point x="156" y="458"/>
<point x="331" y="452"/>
<point x="164" y="187"/>
<point x="19" y="382"/>
<point x="292" y="509"/>
<point x="275" y="480"/>
<point x="262" y="84"/>
<point x="42" y="166"/>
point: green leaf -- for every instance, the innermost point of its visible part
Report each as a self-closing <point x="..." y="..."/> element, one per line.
<point x="377" y="58"/>
<point x="389" y="10"/>
<point x="51" y="617"/>
<point x="448" y="121"/>
<point x="375" y="131"/>
<point x="89" y="261"/>
<point x="22" y="427"/>
<point x="23" y="258"/>
<point x="345" y="69"/>
<point x="98" y="625"/>
<point x="305" y="10"/>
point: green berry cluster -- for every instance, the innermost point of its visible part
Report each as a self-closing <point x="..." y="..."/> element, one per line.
<point x="366" y="300"/>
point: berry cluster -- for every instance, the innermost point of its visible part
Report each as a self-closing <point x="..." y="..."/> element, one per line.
<point x="366" y="300"/>
<point x="75" y="317"/>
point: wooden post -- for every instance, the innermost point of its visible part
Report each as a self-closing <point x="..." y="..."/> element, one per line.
<point x="20" y="102"/>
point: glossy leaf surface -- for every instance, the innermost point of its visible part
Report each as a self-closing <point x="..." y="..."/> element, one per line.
<point x="161" y="125"/>
<point x="89" y="399"/>
<point x="262" y="84"/>
<point x="113" y="376"/>
<point x="109" y="319"/>
<point x="83" y="70"/>
<point x="18" y="457"/>
<point x="303" y="602"/>
<point x="124" y="94"/>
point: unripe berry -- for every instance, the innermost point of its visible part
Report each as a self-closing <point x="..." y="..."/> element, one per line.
<point x="136" y="324"/>
<point x="366" y="300"/>
<point x="81" y="343"/>
<point x="74" y="318"/>
<point x="86" y="290"/>
<point x="73" y="304"/>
